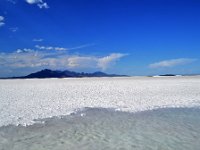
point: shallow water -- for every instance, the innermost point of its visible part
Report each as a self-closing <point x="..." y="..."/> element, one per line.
<point x="93" y="128"/>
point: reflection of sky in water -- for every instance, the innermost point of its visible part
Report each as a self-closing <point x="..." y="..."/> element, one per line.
<point x="177" y="129"/>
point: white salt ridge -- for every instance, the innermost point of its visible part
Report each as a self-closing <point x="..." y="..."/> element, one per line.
<point x="23" y="101"/>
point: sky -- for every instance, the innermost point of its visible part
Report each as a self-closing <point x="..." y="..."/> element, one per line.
<point x="132" y="37"/>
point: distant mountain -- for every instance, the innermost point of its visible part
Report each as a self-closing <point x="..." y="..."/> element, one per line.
<point x="168" y="75"/>
<point x="47" y="73"/>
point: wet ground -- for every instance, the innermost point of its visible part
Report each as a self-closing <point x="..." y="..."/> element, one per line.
<point x="95" y="128"/>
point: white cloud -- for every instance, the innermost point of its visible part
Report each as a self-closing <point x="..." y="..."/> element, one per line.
<point x="2" y="21"/>
<point x="19" y="59"/>
<point x="37" y="40"/>
<point x="39" y="3"/>
<point x="107" y="61"/>
<point x="1" y="18"/>
<point x="43" y="5"/>
<point x="50" y="48"/>
<point x="34" y="1"/>
<point x="2" y="24"/>
<point x="44" y="47"/>
<point x="24" y="50"/>
<point x="102" y="63"/>
<point x="172" y="63"/>
<point x="82" y="62"/>
<point x="29" y="58"/>
<point x="81" y="46"/>
<point x="59" y="48"/>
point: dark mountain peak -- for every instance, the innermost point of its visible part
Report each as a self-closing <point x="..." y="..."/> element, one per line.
<point x="99" y="73"/>
<point x="42" y="74"/>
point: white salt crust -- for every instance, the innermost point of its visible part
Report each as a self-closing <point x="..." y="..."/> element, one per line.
<point x="24" y="100"/>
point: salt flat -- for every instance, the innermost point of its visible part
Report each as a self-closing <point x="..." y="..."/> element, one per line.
<point x="23" y="100"/>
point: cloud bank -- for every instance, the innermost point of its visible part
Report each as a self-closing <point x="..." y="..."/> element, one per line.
<point x="29" y="58"/>
<point x="172" y="63"/>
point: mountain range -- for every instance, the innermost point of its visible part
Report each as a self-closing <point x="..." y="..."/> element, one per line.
<point x="47" y="73"/>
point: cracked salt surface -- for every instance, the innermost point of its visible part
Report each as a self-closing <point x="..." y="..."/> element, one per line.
<point x="22" y="101"/>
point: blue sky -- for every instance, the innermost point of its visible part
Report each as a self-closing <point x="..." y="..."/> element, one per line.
<point x="133" y="37"/>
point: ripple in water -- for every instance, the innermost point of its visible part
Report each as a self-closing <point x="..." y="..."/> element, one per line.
<point x="168" y="129"/>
